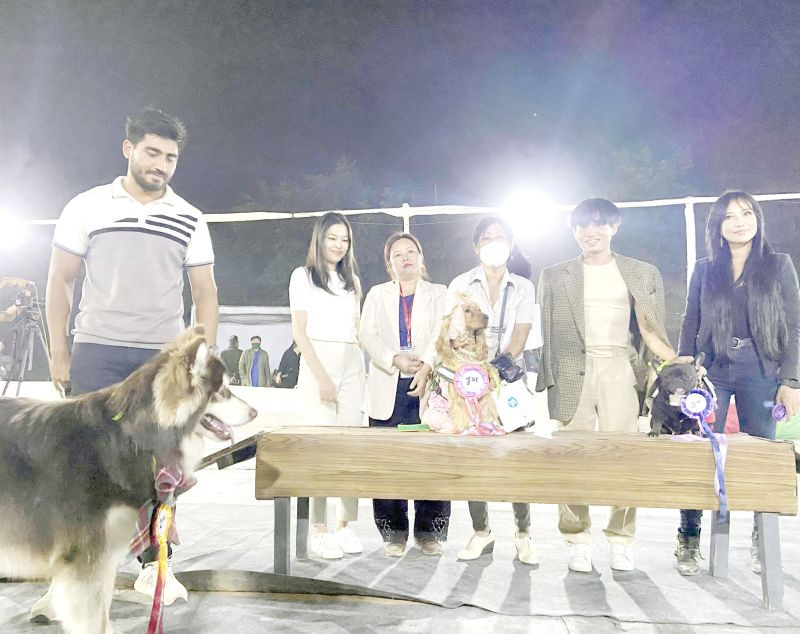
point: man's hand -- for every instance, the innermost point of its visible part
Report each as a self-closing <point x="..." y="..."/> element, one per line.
<point x="790" y="398"/>
<point x="59" y="371"/>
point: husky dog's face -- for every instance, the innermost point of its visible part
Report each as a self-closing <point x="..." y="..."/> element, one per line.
<point x="195" y="379"/>
<point x="225" y="410"/>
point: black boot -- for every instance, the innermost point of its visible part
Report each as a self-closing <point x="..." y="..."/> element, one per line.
<point x="688" y="555"/>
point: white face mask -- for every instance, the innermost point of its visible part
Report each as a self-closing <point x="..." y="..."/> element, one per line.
<point x="495" y="253"/>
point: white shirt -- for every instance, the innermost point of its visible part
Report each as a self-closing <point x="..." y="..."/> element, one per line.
<point x="331" y="317"/>
<point x="521" y="307"/>
<point x="135" y="256"/>
<point x="606" y="306"/>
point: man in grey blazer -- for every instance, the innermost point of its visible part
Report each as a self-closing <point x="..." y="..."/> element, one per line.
<point x="602" y="316"/>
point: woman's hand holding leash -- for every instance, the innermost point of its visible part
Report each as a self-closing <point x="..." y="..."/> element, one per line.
<point x="789" y="397"/>
<point x="407" y="363"/>
<point x="419" y="381"/>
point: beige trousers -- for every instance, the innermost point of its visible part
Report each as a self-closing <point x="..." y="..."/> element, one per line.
<point x="344" y="364"/>
<point x="608" y="403"/>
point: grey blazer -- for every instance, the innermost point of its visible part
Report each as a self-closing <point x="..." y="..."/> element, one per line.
<point x="563" y="359"/>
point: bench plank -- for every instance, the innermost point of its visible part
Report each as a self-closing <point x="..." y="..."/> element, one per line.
<point x="574" y="468"/>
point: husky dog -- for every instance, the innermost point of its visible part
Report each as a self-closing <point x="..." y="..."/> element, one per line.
<point x="74" y="473"/>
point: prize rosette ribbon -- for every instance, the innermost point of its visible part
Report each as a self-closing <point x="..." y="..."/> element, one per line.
<point x="699" y="404"/>
<point x="471" y="382"/>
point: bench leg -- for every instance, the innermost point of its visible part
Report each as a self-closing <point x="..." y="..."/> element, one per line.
<point x="720" y="539"/>
<point x="283" y="524"/>
<point x="301" y="539"/>
<point x="769" y="546"/>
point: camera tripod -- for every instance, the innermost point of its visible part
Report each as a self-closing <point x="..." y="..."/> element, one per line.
<point x="27" y="328"/>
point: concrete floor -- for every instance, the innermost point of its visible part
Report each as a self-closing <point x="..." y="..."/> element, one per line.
<point x="224" y="531"/>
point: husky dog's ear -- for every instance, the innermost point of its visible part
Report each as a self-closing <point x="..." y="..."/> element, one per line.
<point x="186" y="339"/>
<point x="197" y="353"/>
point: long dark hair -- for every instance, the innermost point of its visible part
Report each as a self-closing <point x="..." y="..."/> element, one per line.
<point x="760" y="275"/>
<point x="316" y="264"/>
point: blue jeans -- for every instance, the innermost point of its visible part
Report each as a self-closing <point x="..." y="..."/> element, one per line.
<point x="755" y="397"/>
<point x="95" y="366"/>
<point x="431" y="517"/>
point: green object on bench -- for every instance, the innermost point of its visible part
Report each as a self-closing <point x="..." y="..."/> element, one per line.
<point x="788" y="429"/>
<point x="413" y="427"/>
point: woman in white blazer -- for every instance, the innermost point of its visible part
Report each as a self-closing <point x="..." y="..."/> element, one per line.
<point x="399" y="326"/>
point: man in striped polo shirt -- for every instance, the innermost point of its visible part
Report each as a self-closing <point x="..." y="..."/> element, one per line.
<point x="135" y="237"/>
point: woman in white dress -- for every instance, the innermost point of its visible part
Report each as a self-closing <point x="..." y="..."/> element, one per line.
<point x="324" y="301"/>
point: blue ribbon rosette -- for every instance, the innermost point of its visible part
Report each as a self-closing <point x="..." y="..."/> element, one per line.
<point x="699" y="404"/>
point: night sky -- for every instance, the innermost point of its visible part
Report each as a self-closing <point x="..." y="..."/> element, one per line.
<point x="421" y="102"/>
<point x="448" y="102"/>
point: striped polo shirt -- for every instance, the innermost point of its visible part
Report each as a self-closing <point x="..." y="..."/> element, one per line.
<point x="134" y="256"/>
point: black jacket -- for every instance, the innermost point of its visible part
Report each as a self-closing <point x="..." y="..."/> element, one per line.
<point x="696" y="330"/>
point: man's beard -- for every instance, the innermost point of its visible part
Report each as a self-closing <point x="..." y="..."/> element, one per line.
<point x="141" y="181"/>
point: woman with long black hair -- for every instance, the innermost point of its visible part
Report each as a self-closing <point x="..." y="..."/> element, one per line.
<point x="743" y="312"/>
<point x="324" y="301"/>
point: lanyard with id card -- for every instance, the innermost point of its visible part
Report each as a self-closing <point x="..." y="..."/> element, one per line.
<point x="407" y="346"/>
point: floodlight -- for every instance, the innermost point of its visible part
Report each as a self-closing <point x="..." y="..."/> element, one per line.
<point x="13" y="232"/>
<point x="529" y="211"/>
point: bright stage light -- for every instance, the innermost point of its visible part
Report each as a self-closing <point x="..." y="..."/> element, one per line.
<point x="13" y="232"/>
<point x="529" y="211"/>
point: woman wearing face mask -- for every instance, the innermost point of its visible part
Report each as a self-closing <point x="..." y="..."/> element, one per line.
<point x="509" y="301"/>
<point x="743" y="312"/>
<point x="399" y="323"/>
<point x="324" y="302"/>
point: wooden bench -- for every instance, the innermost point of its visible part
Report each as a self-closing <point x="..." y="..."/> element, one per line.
<point x="574" y="468"/>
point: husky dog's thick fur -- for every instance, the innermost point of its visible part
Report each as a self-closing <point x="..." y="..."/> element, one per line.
<point x="74" y="473"/>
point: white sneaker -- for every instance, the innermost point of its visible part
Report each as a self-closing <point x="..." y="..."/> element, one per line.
<point x="324" y="545"/>
<point x="347" y="541"/>
<point x="146" y="583"/>
<point x="430" y="546"/>
<point x="478" y="545"/>
<point x="621" y="556"/>
<point x="580" y="557"/>
<point x="526" y="552"/>
<point x="395" y="549"/>
<point x="43" y="611"/>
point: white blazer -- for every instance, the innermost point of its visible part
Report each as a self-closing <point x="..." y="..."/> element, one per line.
<point x="379" y="334"/>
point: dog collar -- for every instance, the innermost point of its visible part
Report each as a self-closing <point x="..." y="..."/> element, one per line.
<point x="446" y="373"/>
